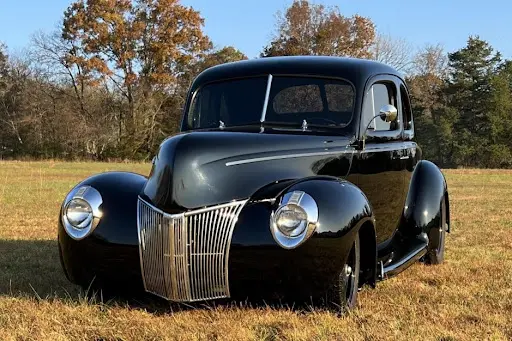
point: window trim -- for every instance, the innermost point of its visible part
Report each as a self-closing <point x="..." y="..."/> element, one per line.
<point x="408" y="134"/>
<point x="382" y="134"/>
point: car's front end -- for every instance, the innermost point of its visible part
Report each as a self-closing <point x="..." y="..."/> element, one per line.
<point x="182" y="236"/>
<point x="228" y="211"/>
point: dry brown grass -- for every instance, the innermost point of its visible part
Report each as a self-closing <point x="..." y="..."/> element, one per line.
<point x="468" y="297"/>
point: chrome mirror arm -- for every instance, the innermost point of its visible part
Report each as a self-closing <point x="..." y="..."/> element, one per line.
<point x="367" y="127"/>
<point x="388" y="113"/>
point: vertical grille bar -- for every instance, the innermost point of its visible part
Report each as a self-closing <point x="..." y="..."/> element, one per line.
<point x="184" y="257"/>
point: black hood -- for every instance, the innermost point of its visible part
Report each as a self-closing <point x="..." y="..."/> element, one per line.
<point x="199" y="169"/>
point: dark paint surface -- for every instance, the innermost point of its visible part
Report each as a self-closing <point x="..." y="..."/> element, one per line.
<point x="259" y="266"/>
<point x="110" y="255"/>
<point x="426" y="192"/>
<point x="383" y="189"/>
<point x="190" y="169"/>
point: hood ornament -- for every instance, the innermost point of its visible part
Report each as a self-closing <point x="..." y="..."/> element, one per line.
<point x="221" y="125"/>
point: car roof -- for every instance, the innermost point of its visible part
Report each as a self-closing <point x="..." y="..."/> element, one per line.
<point x="354" y="70"/>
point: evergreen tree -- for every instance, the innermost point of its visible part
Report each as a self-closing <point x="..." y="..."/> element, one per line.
<point x="469" y="93"/>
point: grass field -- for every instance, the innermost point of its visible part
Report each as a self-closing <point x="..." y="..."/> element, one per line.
<point x="469" y="297"/>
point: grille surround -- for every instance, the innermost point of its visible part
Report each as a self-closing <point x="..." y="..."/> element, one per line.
<point x="184" y="257"/>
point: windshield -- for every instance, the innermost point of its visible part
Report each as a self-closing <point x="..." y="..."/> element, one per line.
<point x="319" y="101"/>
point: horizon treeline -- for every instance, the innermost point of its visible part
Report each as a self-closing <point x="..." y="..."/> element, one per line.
<point x="111" y="82"/>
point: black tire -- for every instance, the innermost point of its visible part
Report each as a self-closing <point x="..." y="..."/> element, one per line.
<point x="343" y="293"/>
<point x="437" y="237"/>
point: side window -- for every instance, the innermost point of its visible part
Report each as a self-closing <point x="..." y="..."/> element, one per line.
<point x="376" y="97"/>
<point x="406" y="105"/>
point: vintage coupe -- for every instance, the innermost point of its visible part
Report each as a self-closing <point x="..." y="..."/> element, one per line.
<point x="292" y="176"/>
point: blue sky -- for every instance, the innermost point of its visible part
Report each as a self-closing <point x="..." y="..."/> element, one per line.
<point x="248" y="25"/>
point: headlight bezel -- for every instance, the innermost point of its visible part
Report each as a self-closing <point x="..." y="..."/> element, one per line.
<point x="306" y="203"/>
<point x="93" y="198"/>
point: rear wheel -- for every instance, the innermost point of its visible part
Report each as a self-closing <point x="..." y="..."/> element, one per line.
<point x="343" y="294"/>
<point x="435" y="254"/>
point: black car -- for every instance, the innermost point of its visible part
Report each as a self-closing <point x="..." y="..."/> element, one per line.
<point x="292" y="176"/>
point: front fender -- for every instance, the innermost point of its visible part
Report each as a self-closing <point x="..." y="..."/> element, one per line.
<point x="341" y="205"/>
<point x="313" y="266"/>
<point x="423" y="205"/>
<point x="110" y="253"/>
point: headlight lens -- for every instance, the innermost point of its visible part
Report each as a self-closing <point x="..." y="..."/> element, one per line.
<point x="295" y="219"/>
<point x="79" y="213"/>
<point x="82" y="212"/>
<point x="291" y="220"/>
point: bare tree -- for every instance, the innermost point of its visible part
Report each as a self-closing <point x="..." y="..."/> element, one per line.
<point x="431" y="60"/>
<point x="396" y="52"/>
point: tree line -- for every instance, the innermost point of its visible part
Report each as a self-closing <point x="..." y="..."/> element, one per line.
<point x="111" y="82"/>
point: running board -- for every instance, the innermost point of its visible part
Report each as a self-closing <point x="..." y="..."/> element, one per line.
<point x="409" y="259"/>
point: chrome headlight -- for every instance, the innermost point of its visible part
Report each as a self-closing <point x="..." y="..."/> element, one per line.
<point x="81" y="213"/>
<point x="295" y="219"/>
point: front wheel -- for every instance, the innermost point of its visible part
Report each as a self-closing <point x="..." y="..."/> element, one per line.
<point x="343" y="294"/>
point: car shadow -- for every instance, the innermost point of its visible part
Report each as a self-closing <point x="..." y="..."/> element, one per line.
<point x="31" y="268"/>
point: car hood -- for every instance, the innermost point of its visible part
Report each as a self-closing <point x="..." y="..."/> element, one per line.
<point x="197" y="169"/>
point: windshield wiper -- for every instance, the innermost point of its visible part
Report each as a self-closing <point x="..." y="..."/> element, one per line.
<point x="292" y="126"/>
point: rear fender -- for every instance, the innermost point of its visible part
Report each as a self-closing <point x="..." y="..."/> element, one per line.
<point x="422" y="209"/>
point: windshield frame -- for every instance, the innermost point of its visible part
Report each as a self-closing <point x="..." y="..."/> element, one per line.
<point x="270" y="77"/>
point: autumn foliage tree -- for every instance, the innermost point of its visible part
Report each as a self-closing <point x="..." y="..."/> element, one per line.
<point x="311" y="29"/>
<point x="136" y="46"/>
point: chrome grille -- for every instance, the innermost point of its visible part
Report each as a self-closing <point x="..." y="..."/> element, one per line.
<point x="184" y="257"/>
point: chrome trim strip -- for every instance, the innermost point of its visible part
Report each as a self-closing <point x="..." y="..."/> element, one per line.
<point x="286" y="156"/>
<point x="194" y="212"/>
<point x="406" y="261"/>
<point x="373" y="149"/>
<point x="377" y="148"/>
<point x="141" y="244"/>
<point x="267" y="96"/>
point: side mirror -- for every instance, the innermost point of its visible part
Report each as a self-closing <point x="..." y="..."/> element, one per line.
<point x="388" y="113"/>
